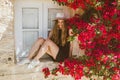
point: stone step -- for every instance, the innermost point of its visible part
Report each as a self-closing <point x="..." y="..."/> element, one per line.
<point x="21" y="72"/>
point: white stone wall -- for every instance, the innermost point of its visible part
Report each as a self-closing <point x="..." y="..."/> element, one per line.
<point x="6" y="32"/>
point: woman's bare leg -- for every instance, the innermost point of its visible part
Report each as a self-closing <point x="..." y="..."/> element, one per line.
<point x="35" y="47"/>
<point x="48" y="47"/>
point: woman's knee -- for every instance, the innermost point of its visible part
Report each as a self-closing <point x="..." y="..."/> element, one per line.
<point x="48" y="41"/>
<point x="41" y="39"/>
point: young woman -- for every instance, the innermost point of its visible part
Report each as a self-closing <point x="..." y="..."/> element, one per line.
<point x="56" y="45"/>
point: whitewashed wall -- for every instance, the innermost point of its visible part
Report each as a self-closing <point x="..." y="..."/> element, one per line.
<point x="6" y="32"/>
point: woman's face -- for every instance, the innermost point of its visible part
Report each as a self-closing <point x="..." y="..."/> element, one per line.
<point x="60" y="23"/>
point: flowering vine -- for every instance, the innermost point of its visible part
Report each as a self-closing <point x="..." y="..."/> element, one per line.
<point x="98" y="31"/>
<point x="107" y="66"/>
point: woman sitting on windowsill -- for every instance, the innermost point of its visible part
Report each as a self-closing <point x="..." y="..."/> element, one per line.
<point x="56" y="45"/>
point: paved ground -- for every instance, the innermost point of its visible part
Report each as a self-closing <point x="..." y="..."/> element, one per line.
<point x="21" y="72"/>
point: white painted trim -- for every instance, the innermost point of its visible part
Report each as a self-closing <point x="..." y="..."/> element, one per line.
<point x="17" y="29"/>
<point x="18" y="22"/>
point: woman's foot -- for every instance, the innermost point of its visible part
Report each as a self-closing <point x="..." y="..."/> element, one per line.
<point x="24" y="61"/>
<point x="33" y="64"/>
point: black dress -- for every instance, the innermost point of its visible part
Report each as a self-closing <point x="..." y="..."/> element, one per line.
<point x="63" y="50"/>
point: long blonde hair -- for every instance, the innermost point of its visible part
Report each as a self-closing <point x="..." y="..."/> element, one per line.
<point x="55" y="34"/>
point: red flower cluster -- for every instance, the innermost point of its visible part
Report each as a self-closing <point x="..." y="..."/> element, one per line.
<point x="71" y="3"/>
<point x="68" y="67"/>
<point x="107" y="66"/>
<point x="84" y="4"/>
<point x="98" y="31"/>
<point x="101" y="35"/>
<point x="46" y="71"/>
<point x="71" y="67"/>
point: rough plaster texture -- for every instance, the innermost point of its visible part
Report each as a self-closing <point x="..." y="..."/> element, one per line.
<point x="6" y="32"/>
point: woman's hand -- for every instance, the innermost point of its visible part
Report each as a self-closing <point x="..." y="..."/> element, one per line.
<point x="71" y="32"/>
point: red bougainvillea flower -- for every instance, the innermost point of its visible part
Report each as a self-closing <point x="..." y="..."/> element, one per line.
<point x="46" y="71"/>
<point x="71" y="67"/>
<point x="95" y="64"/>
<point x="99" y="36"/>
<point x="116" y="77"/>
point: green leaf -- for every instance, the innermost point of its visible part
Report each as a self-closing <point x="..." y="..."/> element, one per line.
<point x="71" y="38"/>
<point x="70" y="1"/>
<point x="118" y="7"/>
<point x="112" y="64"/>
<point x="115" y="16"/>
<point x="108" y="78"/>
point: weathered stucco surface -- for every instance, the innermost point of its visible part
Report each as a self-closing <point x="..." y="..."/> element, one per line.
<point x="6" y="32"/>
